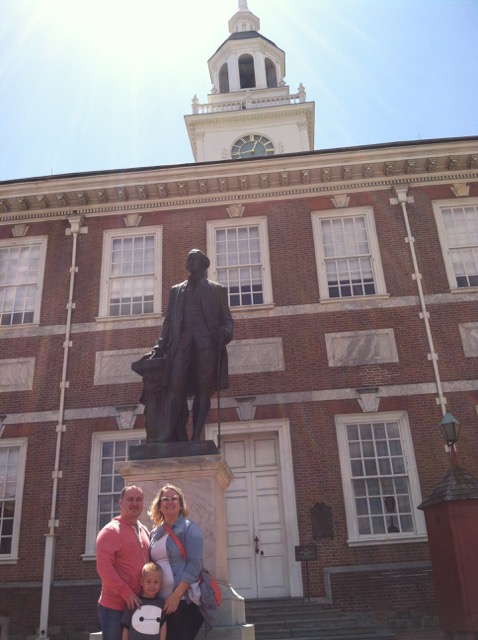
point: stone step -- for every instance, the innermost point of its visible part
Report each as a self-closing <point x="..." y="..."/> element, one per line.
<point x="352" y="636"/>
<point x="295" y="619"/>
<point x="332" y="633"/>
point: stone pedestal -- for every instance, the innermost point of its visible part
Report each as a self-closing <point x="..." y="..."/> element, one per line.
<point x="203" y="480"/>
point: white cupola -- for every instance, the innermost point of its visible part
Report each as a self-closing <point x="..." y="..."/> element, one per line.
<point x="250" y="110"/>
<point x="246" y="60"/>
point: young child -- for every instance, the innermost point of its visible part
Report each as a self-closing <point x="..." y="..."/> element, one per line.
<point x="148" y="621"/>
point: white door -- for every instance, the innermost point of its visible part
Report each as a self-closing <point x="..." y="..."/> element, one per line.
<point x="256" y="544"/>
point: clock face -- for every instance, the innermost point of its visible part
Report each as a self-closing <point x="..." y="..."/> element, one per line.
<point x="251" y="146"/>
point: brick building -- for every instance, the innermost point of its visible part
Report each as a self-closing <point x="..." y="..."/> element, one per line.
<point x="353" y="280"/>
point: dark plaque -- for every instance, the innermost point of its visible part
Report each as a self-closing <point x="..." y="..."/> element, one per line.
<point x="322" y="525"/>
<point x="305" y="552"/>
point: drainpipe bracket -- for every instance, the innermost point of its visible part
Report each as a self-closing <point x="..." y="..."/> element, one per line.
<point x="401" y="196"/>
<point x="70" y="232"/>
<point x="60" y="428"/>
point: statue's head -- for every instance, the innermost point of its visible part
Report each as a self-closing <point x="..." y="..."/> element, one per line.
<point x="198" y="257"/>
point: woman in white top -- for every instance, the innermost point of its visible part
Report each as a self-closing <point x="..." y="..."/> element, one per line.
<point x="176" y="546"/>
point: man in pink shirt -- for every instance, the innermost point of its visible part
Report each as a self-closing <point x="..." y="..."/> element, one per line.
<point x="122" y="548"/>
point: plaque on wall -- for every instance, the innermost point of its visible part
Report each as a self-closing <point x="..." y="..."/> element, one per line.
<point x="305" y="552"/>
<point x="322" y="524"/>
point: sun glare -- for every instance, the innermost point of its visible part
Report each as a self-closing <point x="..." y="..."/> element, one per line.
<point x="109" y="34"/>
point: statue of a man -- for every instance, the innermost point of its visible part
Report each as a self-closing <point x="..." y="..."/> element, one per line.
<point x="197" y="327"/>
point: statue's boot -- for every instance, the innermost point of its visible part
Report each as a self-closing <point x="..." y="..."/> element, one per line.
<point x="201" y="406"/>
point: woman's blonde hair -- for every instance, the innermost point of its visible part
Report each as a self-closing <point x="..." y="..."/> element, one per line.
<point x="155" y="510"/>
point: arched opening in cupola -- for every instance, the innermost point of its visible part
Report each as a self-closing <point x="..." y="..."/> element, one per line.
<point x="271" y="73"/>
<point x="246" y="71"/>
<point x="224" y="79"/>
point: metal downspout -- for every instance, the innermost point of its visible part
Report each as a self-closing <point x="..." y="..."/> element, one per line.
<point x="49" y="560"/>
<point x="402" y="199"/>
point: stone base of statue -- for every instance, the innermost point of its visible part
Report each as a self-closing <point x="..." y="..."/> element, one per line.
<point x="153" y="450"/>
<point x="203" y="475"/>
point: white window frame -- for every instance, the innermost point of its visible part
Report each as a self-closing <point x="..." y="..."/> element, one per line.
<point x="354" y="538"/>
<point x="261" y="223"/>
<point x="21" y="443"/>
<point x="97" y="441"/>
<point x="438" y="205"/>
<point x="377" y="269"/>
<point x="108" y="237"/>
<point x="18" y="242"/>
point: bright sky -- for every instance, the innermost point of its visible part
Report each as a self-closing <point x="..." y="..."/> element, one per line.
<point x="91" y="85"/>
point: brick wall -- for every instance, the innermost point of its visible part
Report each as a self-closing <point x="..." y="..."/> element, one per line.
<point x="314" y="442"/>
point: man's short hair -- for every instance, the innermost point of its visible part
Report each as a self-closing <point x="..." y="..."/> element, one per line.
<point x="127" y="488"/>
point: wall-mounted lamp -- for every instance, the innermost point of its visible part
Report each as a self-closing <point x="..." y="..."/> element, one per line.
<point x="450" y="428"/>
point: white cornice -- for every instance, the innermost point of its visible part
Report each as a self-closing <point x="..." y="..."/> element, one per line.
<point x="221" y="183"/>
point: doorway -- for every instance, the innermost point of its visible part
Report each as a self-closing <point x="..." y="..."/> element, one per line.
<point x="260" y="509"/>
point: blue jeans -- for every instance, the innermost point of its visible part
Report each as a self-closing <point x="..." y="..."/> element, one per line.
<point x="110" y="621"/>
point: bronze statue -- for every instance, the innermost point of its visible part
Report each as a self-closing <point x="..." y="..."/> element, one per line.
<point x="191" y="354"/>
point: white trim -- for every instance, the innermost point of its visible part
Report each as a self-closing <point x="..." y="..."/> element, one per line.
<point x="94" y="482"/>
<point x="22" y="444"/>
<point x="415" y="493"/>
<point x="438" y="205"/>
<point x="282" y="428"/>
<point x="353" y="212"/>
<point x="261" y="223"/>
<point x="108" y="236"/>
<point x="29" y="241"/>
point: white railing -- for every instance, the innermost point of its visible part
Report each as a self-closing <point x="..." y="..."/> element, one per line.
<point x="246" y="103"/>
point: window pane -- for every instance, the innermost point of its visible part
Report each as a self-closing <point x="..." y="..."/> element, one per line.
<point x="9" y="461"/>
<point x="111" y="482"/>
<point x="379" y="481"/>
<point x="240" y="247"/>
<point x="461" y="225"/>
<point x="348" y="258"/>
<point x="19" y="275"/>
<point x="131" y="284"/>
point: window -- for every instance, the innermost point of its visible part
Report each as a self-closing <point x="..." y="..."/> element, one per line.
<point x="348" y="258"/>
<point x="131" y="278"/>
<point x="458" y="231"/>
<point x="12" y="469"/>
<point x="22" y="264"/>
<point x="224" y="79"/>
<point x="246" y="71"/>
<point x="105" y="482"/>
<point x="380" y="479"/>
<point x="239" y="254"/>
<point x="271" y="74"/>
